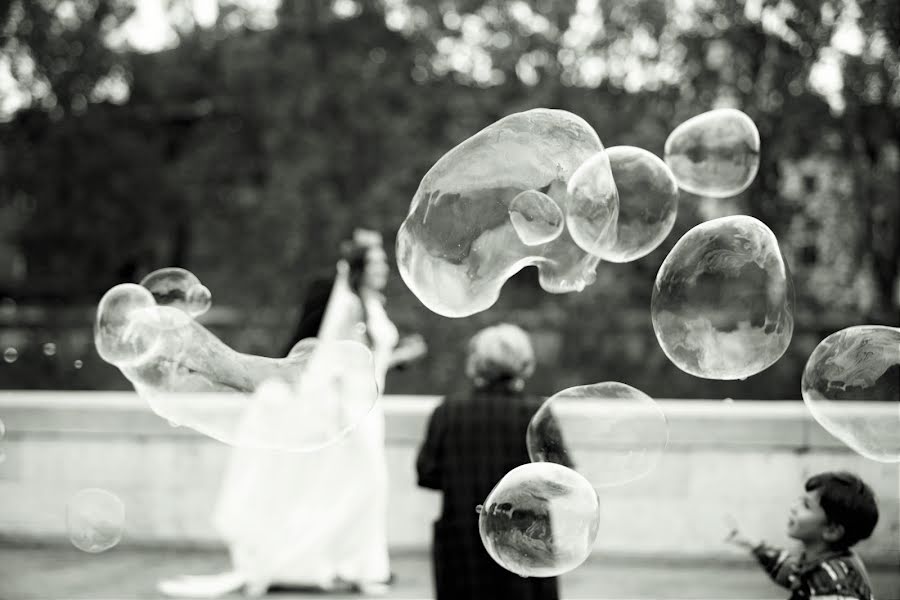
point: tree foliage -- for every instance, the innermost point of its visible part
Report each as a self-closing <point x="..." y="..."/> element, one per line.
<point x="245" y="155"/>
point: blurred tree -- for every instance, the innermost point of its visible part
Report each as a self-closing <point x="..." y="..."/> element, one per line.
<point x="245" y="154"/>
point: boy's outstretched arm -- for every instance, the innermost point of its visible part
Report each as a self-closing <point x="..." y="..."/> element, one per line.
<point x="778" y="563"/>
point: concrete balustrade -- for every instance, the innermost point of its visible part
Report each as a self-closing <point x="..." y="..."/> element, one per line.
<point x="746" y="458"/>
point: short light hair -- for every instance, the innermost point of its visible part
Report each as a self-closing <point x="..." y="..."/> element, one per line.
<point x="501" y="352"/>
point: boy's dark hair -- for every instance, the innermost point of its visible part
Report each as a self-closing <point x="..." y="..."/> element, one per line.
<point x="847" y="501"/>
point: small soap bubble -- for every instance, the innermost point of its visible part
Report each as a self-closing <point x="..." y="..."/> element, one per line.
<point x="722" y="305"/>
<point x="95" y="519"/>
<point x="536" y="218"/>
<point x="49" y="349"/>
<point x="648" y="203"/>
<point x="199" y="299"/>
<point x="78" y="364"/>
<point x="851" y="386"/>
<point x="619" y="431"/>
<point x="540" y="520"/>
<point x="178" y="288"/>
<point x="10" y="355"/>
<point x="125" y="331"/>
<point x="458" y="245"/>
<point x="592" y="205"/>
<point x="714" y="154"/>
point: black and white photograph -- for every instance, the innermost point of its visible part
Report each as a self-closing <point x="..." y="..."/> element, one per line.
<point x="450" y="299"/>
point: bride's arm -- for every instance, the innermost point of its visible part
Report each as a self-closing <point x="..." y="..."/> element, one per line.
<point x="409" y="349"/>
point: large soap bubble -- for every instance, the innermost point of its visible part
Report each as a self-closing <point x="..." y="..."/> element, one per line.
<point x="722" y="305"/>
<point x="714" y="154"/>
<point x="610" y="432"/>
<point x="648" y="204"/>
<point x="851" y="385"/>
<point x="179" y="288"/>
<point x="307" y="400"/>
<point x="95" y="519"/>
<point x="540" y="520"/>
<point x="457" y="246"/>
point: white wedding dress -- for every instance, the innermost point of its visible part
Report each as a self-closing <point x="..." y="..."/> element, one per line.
<point x="308" y="519"/>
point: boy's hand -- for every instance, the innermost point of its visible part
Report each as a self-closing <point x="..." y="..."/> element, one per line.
<point x="735" y="536"/>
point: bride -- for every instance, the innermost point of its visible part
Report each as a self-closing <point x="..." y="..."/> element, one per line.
<point x="317" y="519"/>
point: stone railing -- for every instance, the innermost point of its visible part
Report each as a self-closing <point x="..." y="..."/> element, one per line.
<point x="746" y="458"/>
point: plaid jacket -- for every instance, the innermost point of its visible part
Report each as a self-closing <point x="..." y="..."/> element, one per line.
<point x="473" y="440"/>
<point x="836" y="576"/>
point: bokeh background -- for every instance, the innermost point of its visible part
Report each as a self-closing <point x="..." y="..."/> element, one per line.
<point x="243" y="139"/>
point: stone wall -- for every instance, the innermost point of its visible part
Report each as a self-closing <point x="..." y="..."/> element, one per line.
<point x="746" y="458"/>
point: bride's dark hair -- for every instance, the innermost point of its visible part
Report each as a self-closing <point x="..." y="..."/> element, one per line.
<point x="355" y="252"/>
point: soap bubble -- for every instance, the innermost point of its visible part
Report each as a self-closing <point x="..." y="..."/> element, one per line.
<point x="49" y="349"/>
<point x="592" y="205"/>
<point x="2" y="429"/>
<point x="10" y="355"/>
<point x="457" y="246"/>
<point x="619" y="431"/>
<point x="126" y="330"/>
<point x="714" y="154"/>
<point x="78" y="364"/>
<point x="95" y="519"/>
<point x="179" y="288"/>
<point x="540" y="520"/>
<point x="722" y="305"/>
<point x="648" y="203"/>
<point x="199" y="299"/>
<point x="859" y="365"/>
<point x="536" y="218"/>
<point x="307" y="400"/>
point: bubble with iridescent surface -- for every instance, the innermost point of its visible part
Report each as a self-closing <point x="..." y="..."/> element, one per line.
<point x="722" y="305"/>
<point x="95" y="519"/>
<point x="714" y="154"/>
<point x="648" y="204"/>
<point x="540" y="520"/>
<point x="610" y="432"/>
<point x="458" y="245"/>
<point x="851" y="386"/>
<point x="10" y="355"/>
<point x="307" y="400"/>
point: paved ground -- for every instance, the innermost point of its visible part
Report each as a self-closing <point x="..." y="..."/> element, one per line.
<point x="57" y="572"/>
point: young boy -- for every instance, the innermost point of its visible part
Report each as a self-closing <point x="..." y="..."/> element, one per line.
<point x="836" y="511"/>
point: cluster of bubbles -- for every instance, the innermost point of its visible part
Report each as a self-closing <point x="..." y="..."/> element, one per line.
<point x="859" y="364"/>
<point x="538" y="188"/>
<point x="317" y="394"/>
<point x="542" y="518"/>
<point x="95" y="519"/>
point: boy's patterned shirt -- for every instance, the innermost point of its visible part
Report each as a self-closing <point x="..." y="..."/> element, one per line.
<point x="835" y="576"/>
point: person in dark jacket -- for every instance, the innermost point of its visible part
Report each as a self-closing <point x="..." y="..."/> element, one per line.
<point x="473" y="440"/>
